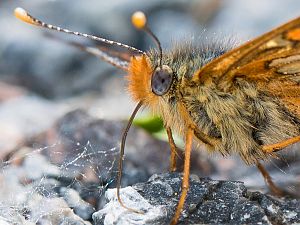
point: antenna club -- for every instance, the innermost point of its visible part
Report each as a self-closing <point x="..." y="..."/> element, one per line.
<point x="139" y="19"/>
<point x="22" y="15"/>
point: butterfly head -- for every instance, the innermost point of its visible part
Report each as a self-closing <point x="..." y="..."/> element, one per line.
<point x="148" y="82"/>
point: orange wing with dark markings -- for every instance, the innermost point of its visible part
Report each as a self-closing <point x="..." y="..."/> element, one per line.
<point x="271" y="61"/>
<point x="279" y="75"/>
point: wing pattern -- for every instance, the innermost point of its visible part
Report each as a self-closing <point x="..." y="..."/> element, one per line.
<point x="271" y="61"/>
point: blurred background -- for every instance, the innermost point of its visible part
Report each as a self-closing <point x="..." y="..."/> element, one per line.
<point x="42" y="80"/>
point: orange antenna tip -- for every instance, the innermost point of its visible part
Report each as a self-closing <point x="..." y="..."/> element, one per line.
<point x="22" y="14"/>
<point x="139" y="20"/>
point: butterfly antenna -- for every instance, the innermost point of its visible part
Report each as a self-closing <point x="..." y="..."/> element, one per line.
<point x="139" y="21"/>
<point x="120" y="166"/>
<point x="24" y="16"/>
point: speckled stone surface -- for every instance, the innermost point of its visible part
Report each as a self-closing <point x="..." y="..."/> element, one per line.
<point x="208" y="202"/>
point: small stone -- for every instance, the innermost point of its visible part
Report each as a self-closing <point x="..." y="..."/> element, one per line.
<point x="74" y="201"/>
<point x="37" y="166"/>
<point x="114" y="213"/>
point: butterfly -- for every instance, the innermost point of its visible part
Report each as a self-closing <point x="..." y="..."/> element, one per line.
<point x="245" y="101"/>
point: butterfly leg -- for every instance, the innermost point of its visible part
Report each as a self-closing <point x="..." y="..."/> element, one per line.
<point x="173" y="148"/>
<point x="273" y="148"/>
<point x="268" y="179"/>
<point x="280" y="145"/>
<point x="186" y="175"/>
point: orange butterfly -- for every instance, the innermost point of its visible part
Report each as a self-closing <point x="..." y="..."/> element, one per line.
<point x="246" y="101"/>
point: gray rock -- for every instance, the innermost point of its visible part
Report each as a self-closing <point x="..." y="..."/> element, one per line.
<point x="36" y="166"/>
<point x="53" y="211"/>
<point x="208" y="202"/>
<point x="97" y="143"/>
<point x="114" y="213"/>
<point x="89" y="147"/>
<point x="28" y="194"/>
<point x="74" y="201"/>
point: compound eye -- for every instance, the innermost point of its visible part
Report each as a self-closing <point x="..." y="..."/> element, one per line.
<point x="161" y="80"/>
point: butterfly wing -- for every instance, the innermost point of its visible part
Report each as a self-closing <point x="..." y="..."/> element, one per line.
<point x="278" y="74"/>
<point x="271" y="61"/>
